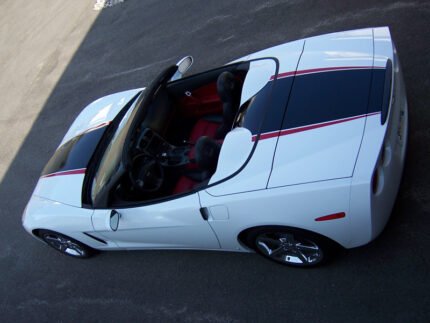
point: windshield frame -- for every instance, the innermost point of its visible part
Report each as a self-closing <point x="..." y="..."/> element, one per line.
<point x="106" y="140"/>
<point x="111" y="163"/>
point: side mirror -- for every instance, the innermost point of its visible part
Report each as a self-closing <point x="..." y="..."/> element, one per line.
<point x="114" y="220"/>
<point x="183" y="66"/>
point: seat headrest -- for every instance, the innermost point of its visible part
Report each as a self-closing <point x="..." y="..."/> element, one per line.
<point x="207" y="152"/>
<point x="226" y="86"/>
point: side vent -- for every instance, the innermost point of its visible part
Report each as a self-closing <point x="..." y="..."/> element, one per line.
<point x="95" y="238"/>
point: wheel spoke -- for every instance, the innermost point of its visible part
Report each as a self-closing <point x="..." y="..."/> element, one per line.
<point x="73" y="251"/>
<point x="288" y="248"/>
<point x="52" y="239"/>
<point x="54" y="242"/>
<point x="269" y="241"/>
<point x="64" y="244"/>
<point x="306" y="247"/>
<point x="278" y="252"/>
<point x="269" y="246"/>
<point x="76" y="248"/>
<point x="312" y="253"/>
<point x="301" y="256"/>
<point x="263" y="247"/>
<point x="289" y="238"/>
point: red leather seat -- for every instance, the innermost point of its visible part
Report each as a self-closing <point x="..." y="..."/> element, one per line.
<point x="207" y="152"/>
<point x="202" y="128"/>
<point x="227" y="88"/>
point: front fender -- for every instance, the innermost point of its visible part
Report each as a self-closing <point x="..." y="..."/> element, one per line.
<point x="42" y="213"/>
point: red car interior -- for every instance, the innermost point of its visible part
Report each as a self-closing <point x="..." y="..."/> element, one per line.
<point x="215" y="105"/>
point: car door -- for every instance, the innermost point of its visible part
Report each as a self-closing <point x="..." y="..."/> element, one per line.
<point x="176" y="223"/>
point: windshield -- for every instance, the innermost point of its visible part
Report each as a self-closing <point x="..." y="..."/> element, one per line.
<point x="112" y="156"/>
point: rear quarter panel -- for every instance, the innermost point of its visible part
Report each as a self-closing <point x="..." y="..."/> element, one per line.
<point x="295" y="206"/>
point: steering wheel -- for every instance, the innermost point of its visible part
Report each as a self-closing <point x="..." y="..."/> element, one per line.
<point x="146" y="173"/>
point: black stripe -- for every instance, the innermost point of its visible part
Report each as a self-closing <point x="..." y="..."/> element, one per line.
<point x="267" y="106"/>
<point x="75" y="153"/>
<point x="315" y="98"/>
<point x="327" y="96"/>
<point x="377" y="90"/>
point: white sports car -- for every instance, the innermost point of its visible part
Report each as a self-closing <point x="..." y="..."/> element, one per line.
<point x="292" y="152"/>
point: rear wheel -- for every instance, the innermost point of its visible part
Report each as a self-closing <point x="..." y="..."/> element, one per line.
<point x="291" y="247"/>
<point x="65" y="244"/>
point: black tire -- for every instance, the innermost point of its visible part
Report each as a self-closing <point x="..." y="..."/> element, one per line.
<point x="66" y="245"/>
<point x="291" y="247"/>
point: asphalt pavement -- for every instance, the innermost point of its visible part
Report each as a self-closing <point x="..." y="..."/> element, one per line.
<point x="58" y="56"/>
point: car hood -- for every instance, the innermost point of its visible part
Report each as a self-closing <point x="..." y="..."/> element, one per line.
<point x="63" y="176"/>
<point x="99" y="113"/>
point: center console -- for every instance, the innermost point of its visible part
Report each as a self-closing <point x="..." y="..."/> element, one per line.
<point x="152" y="144"/>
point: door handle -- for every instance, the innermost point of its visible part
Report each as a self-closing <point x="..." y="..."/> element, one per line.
<point x="205" y="213"/>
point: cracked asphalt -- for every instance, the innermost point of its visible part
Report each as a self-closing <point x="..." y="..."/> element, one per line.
<point x="58" y="56"/>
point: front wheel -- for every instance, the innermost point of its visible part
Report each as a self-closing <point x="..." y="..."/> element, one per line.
<point x="65" y="244"/>
<point x="291" y="247"/>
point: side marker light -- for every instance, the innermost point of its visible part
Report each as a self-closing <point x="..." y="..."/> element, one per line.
<point x="331" y="216"/>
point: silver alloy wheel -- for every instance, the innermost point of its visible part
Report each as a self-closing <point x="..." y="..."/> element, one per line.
<point x="288" y="248"/>
<point x="64" y="245"/>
